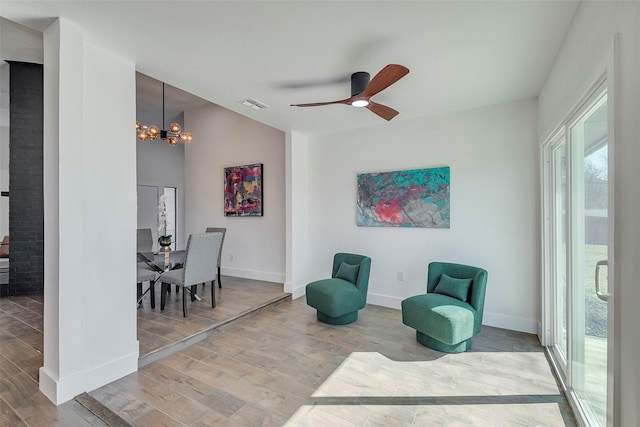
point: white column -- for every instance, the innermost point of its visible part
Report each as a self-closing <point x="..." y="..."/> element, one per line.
<point x="297" y="206"/>
<point x="90" y="215"/>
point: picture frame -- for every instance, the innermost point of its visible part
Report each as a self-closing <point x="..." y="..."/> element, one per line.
<point x="407" y="198"/>
<point x="243" y="190"/>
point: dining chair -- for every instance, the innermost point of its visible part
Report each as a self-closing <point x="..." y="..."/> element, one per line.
<point x="144" y="240"/>
<point x="224" y="232"/>
<point x="4" y="248"/>
<point x="197" y="268"/>
<point x="145" y="275"/>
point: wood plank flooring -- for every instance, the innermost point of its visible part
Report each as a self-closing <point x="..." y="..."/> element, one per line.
<point x="159" y="331"/>
<point x="283" y="367"/>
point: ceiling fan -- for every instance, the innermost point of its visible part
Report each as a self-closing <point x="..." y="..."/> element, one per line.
<point x="362" y="90"/>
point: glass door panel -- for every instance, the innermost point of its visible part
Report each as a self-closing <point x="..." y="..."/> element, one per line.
<point x="588" y="256"/>
<point x="577" y="201"/>
<point x="559" y="165"/>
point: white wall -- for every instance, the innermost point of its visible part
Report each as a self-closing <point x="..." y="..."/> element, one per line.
<point x="90" y="215"/>
<point x="584" y="56"/>
<point x="492" y="153"/>
<point x="223" y="138"/>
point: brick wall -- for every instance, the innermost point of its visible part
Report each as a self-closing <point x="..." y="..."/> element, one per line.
<point x="26" y="208"/>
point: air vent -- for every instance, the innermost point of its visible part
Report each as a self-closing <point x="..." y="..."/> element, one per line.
<point x="254" y="104"/>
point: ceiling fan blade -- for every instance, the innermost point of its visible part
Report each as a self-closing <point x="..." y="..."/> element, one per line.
<point x="316" y="104"/>
<point x="385" y="78"/>
<point x="383" y="111"/>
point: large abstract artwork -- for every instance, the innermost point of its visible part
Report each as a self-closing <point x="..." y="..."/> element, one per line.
<point x="410" y="198"/>
<point x="243" y="190"/>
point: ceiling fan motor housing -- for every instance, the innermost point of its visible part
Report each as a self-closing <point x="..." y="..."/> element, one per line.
<point x="359" y="82"/>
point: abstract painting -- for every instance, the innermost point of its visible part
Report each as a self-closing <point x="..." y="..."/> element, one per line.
<point x="243" y="190"/>
<point x="409" y="198"/>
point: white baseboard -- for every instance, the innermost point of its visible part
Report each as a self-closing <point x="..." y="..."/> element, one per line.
<point x="384" y="301"/>
<point x="253" y="274"/>
<point x="530" y="326"/>
<point x="298" y="292"/>
<point x="111" y="371"/>
<point x="60" y="391"/>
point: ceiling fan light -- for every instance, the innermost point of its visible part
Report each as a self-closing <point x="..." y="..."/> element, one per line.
<point x="143" y="135"/>
<point x="360" y="103"/>
<point x="174" y="127"/>
<point x="153" y="130"/>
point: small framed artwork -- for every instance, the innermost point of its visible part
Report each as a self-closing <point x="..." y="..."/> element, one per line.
<point x="408" y="198"/>
<point x="243" y="190"/>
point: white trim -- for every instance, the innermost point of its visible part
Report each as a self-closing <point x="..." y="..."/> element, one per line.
<point x="495" y="320"/>
<point x="502" y="321"/>
<point x="253" y="274"/>
<point x="112" y="370"/>
<point x="613" y="341"/>
<point x="384" y="301"/>
<point x="59" y="390"/>
<point x="298" y="292"/>
<point x="62" y="390"/>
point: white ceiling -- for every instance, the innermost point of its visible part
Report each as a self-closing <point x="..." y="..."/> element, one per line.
<point x="462" y="54"/>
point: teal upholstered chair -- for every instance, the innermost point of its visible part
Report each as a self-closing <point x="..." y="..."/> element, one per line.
<point x="450" y="313"/>
<point x="337" y="300"/>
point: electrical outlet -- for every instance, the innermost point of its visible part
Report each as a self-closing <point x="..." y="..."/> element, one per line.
<point x="400" y="276"/>
<point x="231" y="257"/>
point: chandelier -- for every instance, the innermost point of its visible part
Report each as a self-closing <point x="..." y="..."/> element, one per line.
<point x="171" y="135"/>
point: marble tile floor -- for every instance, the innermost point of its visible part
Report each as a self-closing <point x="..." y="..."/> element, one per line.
<point x="282" y="367"/>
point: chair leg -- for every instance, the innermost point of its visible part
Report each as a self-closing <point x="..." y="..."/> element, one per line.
<point x="139" y="293"/>
<point x="194" y="290"/>
<point x="152" y="283"/>
<point x="219" y="282"/>
<point x="213" y="295"/>
<point x="184" y="302"/>
<point x="164" y="289"/>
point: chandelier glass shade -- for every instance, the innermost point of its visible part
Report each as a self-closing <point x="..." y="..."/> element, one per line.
<point x="172" y="135"/>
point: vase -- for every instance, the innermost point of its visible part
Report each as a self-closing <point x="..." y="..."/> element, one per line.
<point x="164" y="241"/>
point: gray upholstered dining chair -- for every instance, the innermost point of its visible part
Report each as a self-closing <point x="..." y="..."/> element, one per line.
<point x="197" y="268"/>
<point x="146" y="275"/>
<point x="224" y="232"/>
<point x="144" y="240"/>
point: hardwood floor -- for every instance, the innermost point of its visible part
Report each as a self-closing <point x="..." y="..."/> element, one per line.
<point x="283" y="367"/>
<point x="161" y="332"/>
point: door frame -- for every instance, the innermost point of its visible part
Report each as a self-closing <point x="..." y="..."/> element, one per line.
<point x="603" y="84"/>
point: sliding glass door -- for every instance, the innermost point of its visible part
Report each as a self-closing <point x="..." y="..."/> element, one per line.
<point x="578" y="203"/>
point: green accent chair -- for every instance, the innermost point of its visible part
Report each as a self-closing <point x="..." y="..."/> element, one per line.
<point x="337" y="300"/>
<point x="450" y="313"/>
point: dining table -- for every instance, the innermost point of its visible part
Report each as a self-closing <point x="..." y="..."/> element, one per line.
<point x="159" y="262"/>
